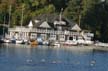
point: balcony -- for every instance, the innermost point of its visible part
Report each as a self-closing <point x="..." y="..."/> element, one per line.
<point x="43" y="31"/>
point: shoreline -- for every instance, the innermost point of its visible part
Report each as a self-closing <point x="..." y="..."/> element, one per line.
<point x="79" y="47"/>
<point x="88" y="48"/>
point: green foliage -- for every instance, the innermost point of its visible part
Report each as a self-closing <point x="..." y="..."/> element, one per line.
<point x="96" y="19"/>
<point x="30" y="8"/>
<point x="59" y="4"/>
<point x="77" y="9"/>
<point x="89" y="14"/>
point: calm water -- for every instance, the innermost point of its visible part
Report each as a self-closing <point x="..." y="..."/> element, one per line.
<point x="43" y="58"/>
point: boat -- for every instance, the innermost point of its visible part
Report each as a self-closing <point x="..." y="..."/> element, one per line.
<point x="40" y="41"/>
<point x="88" y="42"/>
<point x="46" y="42"/>
<point x="1" y="40"/>
<point x="19" y="41"/>
<point x="13" y="40"/>
<point x="33" y="42"/>
<point x="86" y="39"/>
<point x="6" y="40"/>
<point x="100" y="44"/>
<point x="56" y="44"/>
<point x="70" y="43"/>
<point x="80" y="40"/>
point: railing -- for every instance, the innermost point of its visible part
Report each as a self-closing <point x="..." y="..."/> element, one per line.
<point x="19" y="29"/>
<point x="5" y="25"/>
<point x="44" y="31"/>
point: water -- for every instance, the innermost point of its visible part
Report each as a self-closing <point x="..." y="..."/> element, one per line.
<point x="44" y="58"/>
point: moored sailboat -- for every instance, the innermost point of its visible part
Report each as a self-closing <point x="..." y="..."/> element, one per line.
<point x="20" y="40"/>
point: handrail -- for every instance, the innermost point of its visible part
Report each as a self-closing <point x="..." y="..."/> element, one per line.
<point x="43" y="31"/>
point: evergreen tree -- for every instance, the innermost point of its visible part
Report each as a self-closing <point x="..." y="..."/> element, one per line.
<point x="32" y="8"/>
<point x="59" y="4"/>
<point x="96" y="20"/>
<point x="77" y="9"/>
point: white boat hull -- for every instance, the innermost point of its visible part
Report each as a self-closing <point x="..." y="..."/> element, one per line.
<point x="57" y="44"/>
<point x="45" y="43"/>
<point x="19" y="41"/>
<point x="101" y="44"/>
<point x="70" y="43"/>
<point x="7" y="41"/>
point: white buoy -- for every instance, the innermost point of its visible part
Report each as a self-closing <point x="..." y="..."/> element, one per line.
<point x="43" y="60"/>
<point x="54" y="62"/>
<point x="29" y="60"/>
<point x="93" y="62"/>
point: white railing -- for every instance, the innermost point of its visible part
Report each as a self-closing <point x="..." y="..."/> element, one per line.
<point x="44" y="31"/>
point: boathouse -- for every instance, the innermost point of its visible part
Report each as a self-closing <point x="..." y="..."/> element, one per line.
<point x="48" y="27"/>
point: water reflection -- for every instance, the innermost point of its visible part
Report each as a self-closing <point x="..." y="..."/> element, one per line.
<point x="48" y="58"/>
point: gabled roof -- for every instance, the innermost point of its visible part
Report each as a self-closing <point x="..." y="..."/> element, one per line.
<point x="51" y="18"/>
<point x="30" y="24"/>
<point x="76" y="28"/>
<point x="45" y="25"/>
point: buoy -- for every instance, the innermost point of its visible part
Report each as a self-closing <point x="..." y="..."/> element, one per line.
<point x="43" y="60"/>
<point x="54" y="62"/>
<point x="93" y="62"/>
<point x="29" y="60"/>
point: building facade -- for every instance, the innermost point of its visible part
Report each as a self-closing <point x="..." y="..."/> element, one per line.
<point x="56" y="30"/>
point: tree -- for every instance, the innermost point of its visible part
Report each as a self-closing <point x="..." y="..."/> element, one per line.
<point x="96" y="21"/>
<point x="59" y="4"/>
<point x="77" y="9"/>
<point x="31" y="8"/>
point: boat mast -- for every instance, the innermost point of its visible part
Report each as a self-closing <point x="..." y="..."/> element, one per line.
<point x="9" y="17"/>
<point x="22" y="14"/>
<point x="4" y="28"/>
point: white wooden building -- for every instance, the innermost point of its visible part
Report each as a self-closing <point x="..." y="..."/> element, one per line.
<point x="59" y="32"/>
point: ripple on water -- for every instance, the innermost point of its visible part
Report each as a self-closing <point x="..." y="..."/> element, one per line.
<point x="51" y="59"/>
